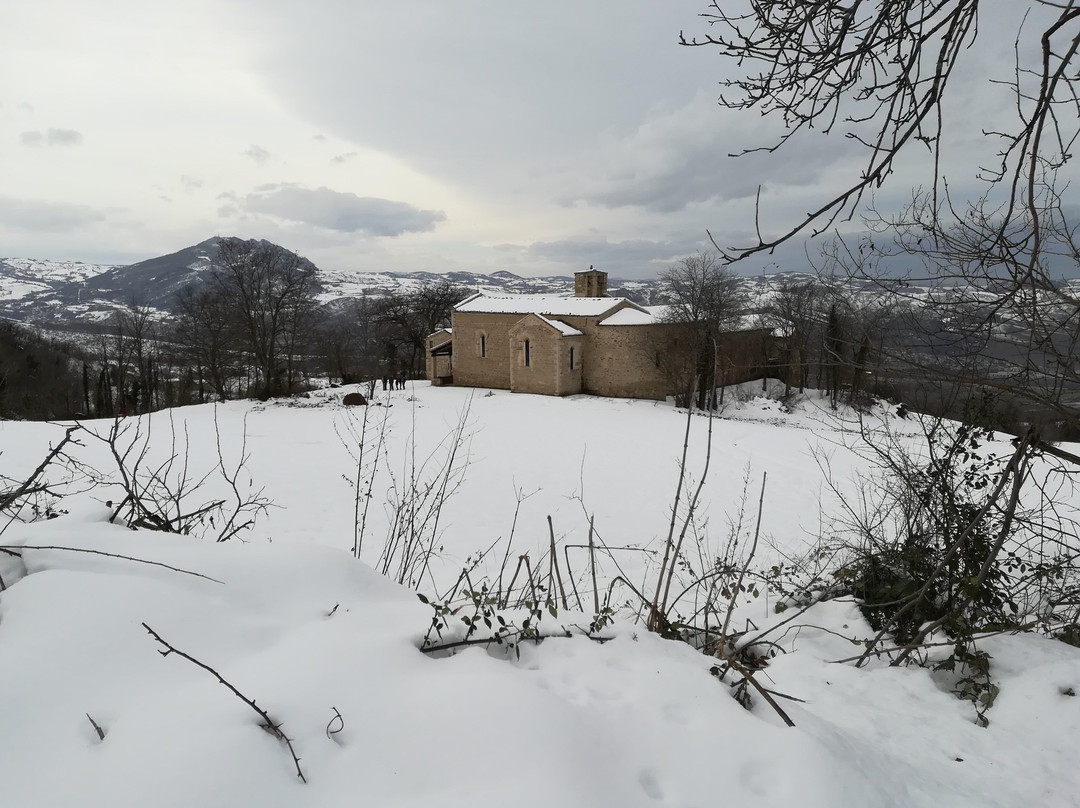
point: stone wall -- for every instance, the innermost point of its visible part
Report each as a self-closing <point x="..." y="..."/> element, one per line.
<point x="548" y="370"/>
<point x="622" y="361"/>
<point x="493" y="368"/>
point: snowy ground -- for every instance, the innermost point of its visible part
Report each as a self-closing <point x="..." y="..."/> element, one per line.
<point x="329" y="648"/>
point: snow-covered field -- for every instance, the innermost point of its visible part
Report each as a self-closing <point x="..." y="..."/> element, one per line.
<point x="330" y="648"/>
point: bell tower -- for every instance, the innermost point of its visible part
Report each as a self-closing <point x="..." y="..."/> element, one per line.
<point x="590" y="283"/>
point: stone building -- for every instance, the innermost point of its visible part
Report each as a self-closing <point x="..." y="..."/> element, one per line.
<point x="588" y="343"/>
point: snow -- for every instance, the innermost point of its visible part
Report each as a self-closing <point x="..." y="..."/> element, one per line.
<point x="562" y="328"/>
<point x="630" y="316"/>
<point x="293" y="621"/>
<point x="55" y="271"/>
<point x="551" y="305"/>
<point x="659" y="314"/>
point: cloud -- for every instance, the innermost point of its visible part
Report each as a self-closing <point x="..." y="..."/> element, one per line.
<point x="623" y="258"/>
<point x="685" y="157"/>
<point x="258" y="154"/>
<point x="343" y="212"/>
<point x="341" y="158"/>
<point x="49" y="217"/>
<point x="51" y="137"/>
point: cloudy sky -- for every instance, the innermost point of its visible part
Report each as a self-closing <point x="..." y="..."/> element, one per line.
<point x="482" y="135"/>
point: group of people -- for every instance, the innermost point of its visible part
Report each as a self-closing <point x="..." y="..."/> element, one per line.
<point x="389" y="383"/>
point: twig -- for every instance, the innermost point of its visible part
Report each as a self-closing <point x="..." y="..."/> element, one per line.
<point x="746" y="674"/>
<point x="572" y="577"/>
<point x="268" y="723"/>
<point x="12" y="549"/>
<point x="746" y="565"/>
<point x="691" y="509"/>
<point x="97" y="727"/>
<point x="592" y="568"/>
<point x="8" y="498"/>
<point x="555" y="564"/>
<point x="655" y="617"/>
<point x="330" y="733"/>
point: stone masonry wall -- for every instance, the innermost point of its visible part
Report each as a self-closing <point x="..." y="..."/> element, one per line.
<point x="549" y="359"/>
<point x="622" y="363"/>
<point x="492" y="370"/>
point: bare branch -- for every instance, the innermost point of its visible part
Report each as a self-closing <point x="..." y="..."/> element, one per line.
<point x="267" y="724"/>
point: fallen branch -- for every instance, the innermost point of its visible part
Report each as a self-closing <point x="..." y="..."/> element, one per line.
<point x="14" y="550"/>
<point x="511" y="640"/>
<point x="268" y="723"/>
<point x="749" y="677"/>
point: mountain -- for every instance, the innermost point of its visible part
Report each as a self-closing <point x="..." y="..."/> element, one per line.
<point x="72" y="295"/>
<point x="153" y="282"/>
<point x="77" y="296"/>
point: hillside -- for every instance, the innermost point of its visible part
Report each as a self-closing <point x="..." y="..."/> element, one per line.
<point x="330" y="648"/>
<point x="72" y="295"/>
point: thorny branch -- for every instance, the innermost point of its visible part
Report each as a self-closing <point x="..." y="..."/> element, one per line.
<point x="268" y="723"/>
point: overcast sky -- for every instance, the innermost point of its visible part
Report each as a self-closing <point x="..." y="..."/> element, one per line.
<point x="478" y="135"/>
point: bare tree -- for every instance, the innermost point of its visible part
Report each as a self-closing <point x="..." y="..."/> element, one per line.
<point x="270" y="291"/>
<point x="884" y="73"/>
<point x="137" y="355"/>
<point x="704" y="300"/>
<point x="797" y="308"/>
<point x="209" y="338"/>
<point x="409" y="317"/>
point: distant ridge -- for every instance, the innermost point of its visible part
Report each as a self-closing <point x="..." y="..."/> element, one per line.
<point x="76" y="295"/>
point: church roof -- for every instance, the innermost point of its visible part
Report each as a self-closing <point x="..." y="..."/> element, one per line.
<point x="552" y="305"/>
<point x="562" y="328"/>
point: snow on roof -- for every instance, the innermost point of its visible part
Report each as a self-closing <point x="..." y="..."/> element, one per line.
<point x="658" y="314"/>
<point x="563" y="328"/>
<point x="553" y="305"/>
<point x="630" y="316"/>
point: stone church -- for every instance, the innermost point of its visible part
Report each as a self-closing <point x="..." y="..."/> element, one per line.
<point x="588" y="343"/>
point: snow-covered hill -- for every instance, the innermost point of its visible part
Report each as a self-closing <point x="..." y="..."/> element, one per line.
<point x="70" y="294"/>
<point x="97" y="711"/>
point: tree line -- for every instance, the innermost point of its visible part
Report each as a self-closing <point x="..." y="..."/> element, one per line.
<point x="943" y="350"/>
<point x="254" y="327"/>
<point x="251" y="327"/>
